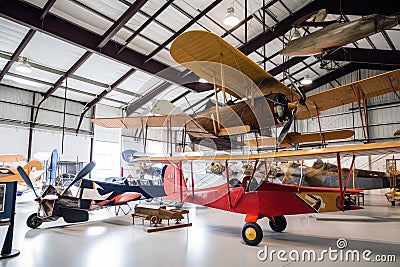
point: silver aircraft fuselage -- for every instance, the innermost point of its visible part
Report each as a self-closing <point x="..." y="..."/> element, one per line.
<point x="338" y="34"/>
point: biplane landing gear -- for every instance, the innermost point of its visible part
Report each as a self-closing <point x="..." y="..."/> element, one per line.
<point x="279" y="223"/>
<point x="34" y="221"/>
<point x="252" y="234"/>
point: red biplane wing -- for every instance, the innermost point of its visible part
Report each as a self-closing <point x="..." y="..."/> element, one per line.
<point x="294" y="155"/>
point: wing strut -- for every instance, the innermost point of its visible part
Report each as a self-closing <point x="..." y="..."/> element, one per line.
<point x="363" y="112"/>
<point x="222" y="79"/>
<point x="192" y="178"/>
<point x="227" y="183"/>
<point x="339" y="168"/>
<point x="323" y="143"/>
<point x="216" y="106"/>
<point x="349" y="174"/>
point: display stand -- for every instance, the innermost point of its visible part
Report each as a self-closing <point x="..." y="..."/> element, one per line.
<point x="8" y="192"/>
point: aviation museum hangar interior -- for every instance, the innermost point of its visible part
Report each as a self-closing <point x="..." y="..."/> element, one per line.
<point x="199" y="133"/>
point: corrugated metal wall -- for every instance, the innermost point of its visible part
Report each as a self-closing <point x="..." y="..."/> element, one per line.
<point x="15" y="117"/>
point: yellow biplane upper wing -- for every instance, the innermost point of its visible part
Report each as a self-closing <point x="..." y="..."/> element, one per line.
<point x="294" y="155"/>
<point x="141" y="122"/>
<point x="193" y="49"/>
<point x="11" y="158"/>
<point x="357" y="91"/>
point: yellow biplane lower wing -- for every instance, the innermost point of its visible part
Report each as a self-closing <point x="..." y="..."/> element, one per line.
<point x="329" y="152"/>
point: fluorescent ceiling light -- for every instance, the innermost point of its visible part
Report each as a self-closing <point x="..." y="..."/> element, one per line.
<point x="230" y="18"/>
<point x="23" y="81"/>
<point x="306" y="80"/>
<point x="23" y="66"/>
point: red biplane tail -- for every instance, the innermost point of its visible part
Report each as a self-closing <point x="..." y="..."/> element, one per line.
<point x="174" y="180"/>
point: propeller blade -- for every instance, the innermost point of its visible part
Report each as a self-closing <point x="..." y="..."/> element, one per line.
<point x="309" y="111"/>
<point x="88" y="168"/>
<point x="26" y="179"/>
<point x="285" y="131"/>
<point x="297" y="90"/>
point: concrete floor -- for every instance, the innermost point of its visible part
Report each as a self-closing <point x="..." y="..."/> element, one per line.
<point x="213" y="240"/>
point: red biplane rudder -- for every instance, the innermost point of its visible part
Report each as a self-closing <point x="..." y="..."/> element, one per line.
<point x="174" y="180"/>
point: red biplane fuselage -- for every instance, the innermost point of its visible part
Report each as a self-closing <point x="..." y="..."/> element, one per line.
<point x="269" y="200"/>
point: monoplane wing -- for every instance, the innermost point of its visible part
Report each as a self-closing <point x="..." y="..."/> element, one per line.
<point x="294" y="155"/>
<point x="194" y="49"/>
<point x="354" y="92"/>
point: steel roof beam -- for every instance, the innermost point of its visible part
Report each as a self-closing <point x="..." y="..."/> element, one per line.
<point x="286" y="65"/>
<point x="388" y="40"/>
<point x="47" y="8"/>
<point x="383" y="7"/>
<point x="340" y="72"/>
<point x="128" y="14"/>
<point x="144" y="25"/>
<point x="184" y="28"/>
<point x="361" y="55"/>
<point x="71" y="70"/>
<point x="132" y="10"/>
<point x="99" y="97"/>
<point x="17" y="53"/>
<point x="147" y="97"/>
<point x="28" y="15"/>
<point x="180" y="96"/>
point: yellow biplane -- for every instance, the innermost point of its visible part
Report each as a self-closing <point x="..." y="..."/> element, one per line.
<point x="262" y="101"/>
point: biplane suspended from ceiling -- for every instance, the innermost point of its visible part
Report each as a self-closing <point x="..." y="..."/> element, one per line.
<point x="262" y="101"/>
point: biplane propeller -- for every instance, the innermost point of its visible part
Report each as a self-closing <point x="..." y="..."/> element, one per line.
<point x="85" y="171"/>
<point x="264" y="102"/>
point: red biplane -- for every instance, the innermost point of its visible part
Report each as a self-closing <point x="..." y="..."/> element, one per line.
<point x="265" y="198"/>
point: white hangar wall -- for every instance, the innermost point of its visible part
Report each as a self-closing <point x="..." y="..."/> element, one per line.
<point x="15" y="115"/>
<point x="383" y="114"/>
<point x="106" y="145"/>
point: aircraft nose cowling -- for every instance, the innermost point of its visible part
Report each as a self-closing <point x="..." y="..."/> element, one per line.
<point x="282" y="110"/>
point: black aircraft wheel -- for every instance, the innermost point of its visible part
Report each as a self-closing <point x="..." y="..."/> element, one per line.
<point x="252" y="234"/>
<point x="159" y="220"/>
<point x="279" y="225"/>
<point x="33" y="221"/>
<point x="154" y="220"/>
<point x="393" y="203"/>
